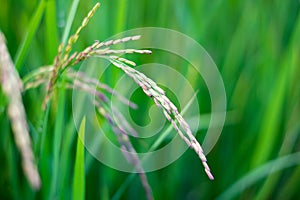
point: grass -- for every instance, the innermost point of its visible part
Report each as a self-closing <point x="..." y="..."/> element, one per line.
<point x="34" y="23"/>
<point x="79" y="176"/>
<point x="255" y="46"/>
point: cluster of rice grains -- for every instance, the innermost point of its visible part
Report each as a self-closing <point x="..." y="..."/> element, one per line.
<point x="170" y="111"/>
<point x="78" y="80"/>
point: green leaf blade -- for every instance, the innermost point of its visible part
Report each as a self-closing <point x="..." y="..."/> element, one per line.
<point x="79" y="175"/>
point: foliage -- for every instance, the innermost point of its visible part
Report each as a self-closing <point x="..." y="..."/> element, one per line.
<point x="255" y="46"/>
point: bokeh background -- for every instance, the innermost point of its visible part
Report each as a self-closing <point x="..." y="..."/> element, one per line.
<point x="255" y="45"/>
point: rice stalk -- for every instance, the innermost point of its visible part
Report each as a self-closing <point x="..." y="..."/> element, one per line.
<point x="12" y="87"/>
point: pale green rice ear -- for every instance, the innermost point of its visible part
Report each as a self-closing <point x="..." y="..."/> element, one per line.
<point x="170" y="111"/>
<point x="12" y="86"/>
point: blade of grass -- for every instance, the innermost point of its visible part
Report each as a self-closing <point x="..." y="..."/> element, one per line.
<point x="291" y="186"/>
<point x="51" y="31"/>
<point x="79" y="176"/>
<point x="58" y="130"/>
<point x="32" y="28"/>
<point x="291" y="61"/>
<point x="13" y="171"/>
<point x="234" y="55"/>
<point x="43" y="155"/>
<point x="259" y="173"/>
<point x="272" y="115"/>
<point x="44" y="130"/>
<point x="65" y="159"/>
<point x="121" y="15"/>
<point x="70" y="20"/>
<point x="35" y="137"/>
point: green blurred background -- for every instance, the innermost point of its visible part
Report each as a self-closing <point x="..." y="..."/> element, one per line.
<point x="255" y="45"/>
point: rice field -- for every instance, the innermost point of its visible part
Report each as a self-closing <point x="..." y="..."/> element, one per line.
<point x="91" y="91"/>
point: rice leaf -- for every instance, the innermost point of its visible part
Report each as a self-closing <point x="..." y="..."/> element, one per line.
<point x="263" y="171"/>
<point x="51" y="35"/>
<point x="58" y="132"/>
<point x="70" y="21"/>
<point x="79" y="176"/>
<point x="32" y="28"/>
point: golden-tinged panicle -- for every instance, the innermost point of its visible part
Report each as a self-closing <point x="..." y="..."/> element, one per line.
<point x="12" y="87"/>
<point x="62" y="59"/>
<point x="73" y="39"/>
